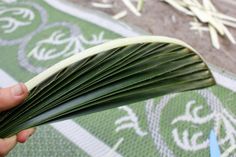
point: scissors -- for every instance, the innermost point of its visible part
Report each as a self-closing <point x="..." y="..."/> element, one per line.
<point x="214" y="146"/>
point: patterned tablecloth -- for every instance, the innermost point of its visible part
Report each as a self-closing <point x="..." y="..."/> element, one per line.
<point x="36" y="34"/>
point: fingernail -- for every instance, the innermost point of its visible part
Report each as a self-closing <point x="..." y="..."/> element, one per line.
<point x="17" y="90"/>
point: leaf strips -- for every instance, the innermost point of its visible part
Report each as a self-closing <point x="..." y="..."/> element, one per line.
<point x="116" y="73"/>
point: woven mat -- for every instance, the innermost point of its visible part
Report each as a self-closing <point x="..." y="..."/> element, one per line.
<point x="176" y="125"/>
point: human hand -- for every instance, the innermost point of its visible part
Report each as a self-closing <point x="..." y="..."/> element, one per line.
<point x="9" y="98"/>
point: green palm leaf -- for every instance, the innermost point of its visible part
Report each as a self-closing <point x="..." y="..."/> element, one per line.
<point x="116" y="73"/>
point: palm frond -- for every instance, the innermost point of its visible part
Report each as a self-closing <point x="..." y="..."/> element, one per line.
<point x="116" y="73"/>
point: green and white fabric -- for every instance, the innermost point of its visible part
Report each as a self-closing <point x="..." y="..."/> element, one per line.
<point x="176" y="125"/>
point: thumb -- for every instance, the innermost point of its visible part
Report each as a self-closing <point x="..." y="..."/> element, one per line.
<point x="12" y="96"/>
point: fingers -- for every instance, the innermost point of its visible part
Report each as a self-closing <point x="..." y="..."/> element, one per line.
<point x="24" y="135"/>
<point x="12" y="96"/>
<point x="6" y="145"/>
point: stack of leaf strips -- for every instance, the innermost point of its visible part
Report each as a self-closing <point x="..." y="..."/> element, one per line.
<point x="118" y="76"/>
